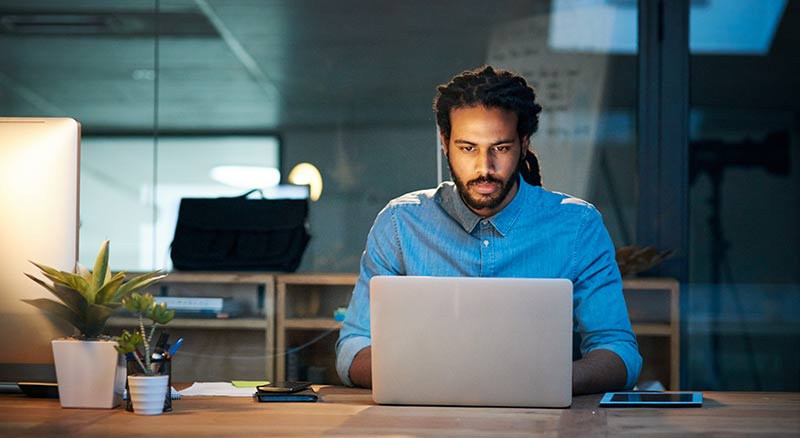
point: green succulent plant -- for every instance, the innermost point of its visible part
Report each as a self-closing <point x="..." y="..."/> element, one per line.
<point x="86" y="299"/>
<point x="143" y="306"/>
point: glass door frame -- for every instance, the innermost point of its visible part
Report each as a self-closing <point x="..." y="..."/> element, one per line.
<point x="663" y="132"/>
<point x="663" y="137"/>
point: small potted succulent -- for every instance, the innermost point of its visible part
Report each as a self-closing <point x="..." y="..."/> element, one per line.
<point x="89" y="370"/>
<point x="147" y="388"/>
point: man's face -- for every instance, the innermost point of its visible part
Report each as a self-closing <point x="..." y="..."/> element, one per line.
<point x="484" y="154"/>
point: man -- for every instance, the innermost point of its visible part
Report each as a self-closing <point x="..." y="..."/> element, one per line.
<point x="494" y="220"/>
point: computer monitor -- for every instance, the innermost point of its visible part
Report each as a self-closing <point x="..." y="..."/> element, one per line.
<point x="39" y="177"/>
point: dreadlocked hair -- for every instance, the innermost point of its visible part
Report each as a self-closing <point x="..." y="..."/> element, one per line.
<point x="492" y="88"/>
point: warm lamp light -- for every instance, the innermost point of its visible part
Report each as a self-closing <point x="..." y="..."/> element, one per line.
<point x="307" y="174"/>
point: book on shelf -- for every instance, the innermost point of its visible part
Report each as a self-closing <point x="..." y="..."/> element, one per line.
<point x="196" y="304"/>
<point x="202" y="307"/>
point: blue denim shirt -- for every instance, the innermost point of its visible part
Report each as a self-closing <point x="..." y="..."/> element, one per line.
<point x="539" y="234"/>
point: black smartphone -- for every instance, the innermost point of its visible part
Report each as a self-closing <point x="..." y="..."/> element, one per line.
<point x="284" y="387"/>
<point x="652" y="399"/>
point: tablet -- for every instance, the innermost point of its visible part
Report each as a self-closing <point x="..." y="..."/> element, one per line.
<point x="647" y="399"/>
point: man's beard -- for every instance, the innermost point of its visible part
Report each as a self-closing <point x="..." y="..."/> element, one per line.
<point x="478" y="201"/>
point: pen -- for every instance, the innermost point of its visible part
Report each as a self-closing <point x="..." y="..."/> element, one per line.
<point x="162" y="341"/>
<point x="175" y="347"/>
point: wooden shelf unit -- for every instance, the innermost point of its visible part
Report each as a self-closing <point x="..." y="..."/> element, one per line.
<point x="220" y="349"/>
<point x="653" y="305"/>
<point x="198" y="323"/>
<point x="296" y="308"/>
<point x="311" y="324"/>
<point x="305" y="303"/>
<point x="654" y="309"/>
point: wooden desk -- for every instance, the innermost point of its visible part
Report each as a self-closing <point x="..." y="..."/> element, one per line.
<point x="351" y="412"/>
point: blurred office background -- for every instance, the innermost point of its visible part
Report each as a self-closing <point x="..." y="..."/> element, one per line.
<point x="679" y="119"/>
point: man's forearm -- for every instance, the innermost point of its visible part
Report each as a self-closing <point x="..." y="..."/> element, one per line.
<point x="598" y="371"/>
<point x="361" y="368"/>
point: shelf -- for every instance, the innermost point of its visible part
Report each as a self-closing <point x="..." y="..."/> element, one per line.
<point x="306" y="303"/>
<point x="249" y="338"/>
<point x="215" y="277"/>
<point x="319" y="279"/>
<point x="311" y="324"/>
<point x="198" y="323"/>
<point x="642" y="329"/>
<point x="650" y="283"/>
<point x="653" y="307"/>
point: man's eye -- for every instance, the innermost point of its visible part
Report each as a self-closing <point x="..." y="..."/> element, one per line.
<point x="501" y="148"/>
<point x="467" y="148"/>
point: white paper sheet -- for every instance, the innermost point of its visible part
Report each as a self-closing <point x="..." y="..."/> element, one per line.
<point x="216" y="388"/>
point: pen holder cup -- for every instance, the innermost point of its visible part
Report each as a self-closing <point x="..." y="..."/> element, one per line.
<point x="165" y="367"/>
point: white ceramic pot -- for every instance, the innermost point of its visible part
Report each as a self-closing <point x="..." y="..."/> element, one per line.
<point x="91" y="374"/>
<point x="148" y="393"/>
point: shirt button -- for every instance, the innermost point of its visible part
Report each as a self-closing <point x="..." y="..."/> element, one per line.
<point x="486" y="243"/>
<point x="484" y="224"/>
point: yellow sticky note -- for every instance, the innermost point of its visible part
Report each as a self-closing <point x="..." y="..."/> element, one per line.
<point x="249" y="383"/>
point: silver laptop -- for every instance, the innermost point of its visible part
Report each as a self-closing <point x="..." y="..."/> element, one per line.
<point x="471" y="341"/>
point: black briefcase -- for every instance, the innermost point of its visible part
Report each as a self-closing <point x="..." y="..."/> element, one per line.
<point x="240" y="234"/>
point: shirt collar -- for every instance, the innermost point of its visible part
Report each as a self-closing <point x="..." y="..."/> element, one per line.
<point x="448" y="197"/>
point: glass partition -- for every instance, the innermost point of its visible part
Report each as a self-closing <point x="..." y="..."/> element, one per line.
<point x="581" y="58"/>
<point x="347" y="86"/>
<point x="742" y="328"/>
<point x="123" y="200"/>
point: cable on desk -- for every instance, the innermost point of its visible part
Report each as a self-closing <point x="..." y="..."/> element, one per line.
<point x="307" y="344"/>
<point x="264" y="356"/>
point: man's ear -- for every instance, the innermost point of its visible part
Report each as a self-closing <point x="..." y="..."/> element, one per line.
<point x="444" y="144"/>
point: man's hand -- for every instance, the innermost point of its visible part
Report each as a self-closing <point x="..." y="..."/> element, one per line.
<point x="361" y="368"/>
<point x="598" y="371"/>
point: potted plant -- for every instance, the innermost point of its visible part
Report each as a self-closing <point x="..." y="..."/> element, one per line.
<point x="147" y="388"/>
<point x="89" y="370"/>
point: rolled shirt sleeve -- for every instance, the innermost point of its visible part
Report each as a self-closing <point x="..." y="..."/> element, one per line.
<point x="381" y="257"/>
<point x="600" y="314"/>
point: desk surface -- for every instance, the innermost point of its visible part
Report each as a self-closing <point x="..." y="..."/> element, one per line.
<point x="351" y="412"/>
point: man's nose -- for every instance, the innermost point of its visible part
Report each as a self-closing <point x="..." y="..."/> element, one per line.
<point x="484" y="163"/>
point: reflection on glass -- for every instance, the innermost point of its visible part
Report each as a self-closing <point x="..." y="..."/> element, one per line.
<point x="598" y="26"/>
<point x="742" y="325"/>
<point x="734" y="27"/>
<point x="717" y="26"/>
<point x="577" y="57"/>
<point x="117" y="195"/>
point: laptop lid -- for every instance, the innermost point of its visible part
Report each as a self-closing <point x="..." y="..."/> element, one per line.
<point x="471" y="341"/>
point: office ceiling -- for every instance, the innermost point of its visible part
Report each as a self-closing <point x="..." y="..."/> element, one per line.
<point x="247" y="65"/>
<point x="238" y="64"/>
